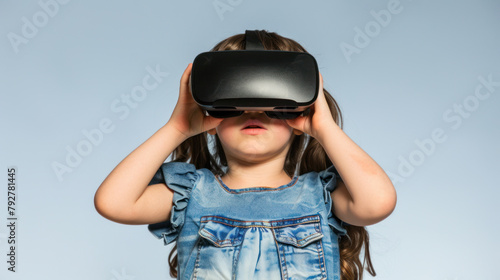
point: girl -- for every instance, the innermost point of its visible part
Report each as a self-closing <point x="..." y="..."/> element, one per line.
<point x="251" y="197"/>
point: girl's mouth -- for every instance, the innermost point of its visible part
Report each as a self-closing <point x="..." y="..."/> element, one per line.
<point x="253" y="127"/>
<point x="253" y="130"/>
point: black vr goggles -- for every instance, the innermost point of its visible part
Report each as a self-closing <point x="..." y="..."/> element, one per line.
<point x="281" y="83"/>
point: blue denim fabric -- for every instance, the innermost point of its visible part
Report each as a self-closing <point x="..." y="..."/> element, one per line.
<point x="287" y="232"/>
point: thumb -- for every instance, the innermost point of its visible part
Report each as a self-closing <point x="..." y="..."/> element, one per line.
<point x="297" y="123"/>
<point x="210" y="122"/>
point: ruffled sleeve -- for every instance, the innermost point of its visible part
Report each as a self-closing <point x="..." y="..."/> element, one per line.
<point x="328" y="178"/>
<point x="180" y="177"/>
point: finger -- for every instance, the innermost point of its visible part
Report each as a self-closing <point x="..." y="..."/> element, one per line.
<point x="321" y="94"/>
<point x="184" y="87"/>
<point x="185" y="75"/>
<point x="210" y="122"/>
<point x="321" y="100"/>
<point x="320" y="81"/>
<point x="297" y="123"/>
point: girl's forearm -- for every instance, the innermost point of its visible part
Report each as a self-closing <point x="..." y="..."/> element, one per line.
<point x="128" y="180"/>
<point x="370" y="195"/>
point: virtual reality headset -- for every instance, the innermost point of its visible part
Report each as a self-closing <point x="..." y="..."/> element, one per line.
<point x="283" y="84"/>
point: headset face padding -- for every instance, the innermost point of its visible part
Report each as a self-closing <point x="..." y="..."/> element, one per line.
<point x="224" y="114"/>
<point x="271" y="114"/>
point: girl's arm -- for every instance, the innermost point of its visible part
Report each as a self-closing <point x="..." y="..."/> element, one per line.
<point x="124" y="196"/>
<point x="365" y="195"/>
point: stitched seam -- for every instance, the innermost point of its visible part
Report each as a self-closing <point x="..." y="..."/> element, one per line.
<point x="261" y="226"/>
<point x="315" y="218"/>
<point x="281" y="256"/>
<point x="220" y="241"/>
<point x="197" y="263"/>
<point x="236" y="257"/>
<point x="298" y="240"/>
<point x="321" y="257"/>
<point x="228" y="190"/>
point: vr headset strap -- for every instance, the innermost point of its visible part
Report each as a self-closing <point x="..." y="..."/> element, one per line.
<point x="252" y="41"/>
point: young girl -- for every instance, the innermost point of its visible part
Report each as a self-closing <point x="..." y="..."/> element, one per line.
<point x="251" y="197"/>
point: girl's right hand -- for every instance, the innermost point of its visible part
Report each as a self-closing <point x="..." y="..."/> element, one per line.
<point x="188" y="117"/>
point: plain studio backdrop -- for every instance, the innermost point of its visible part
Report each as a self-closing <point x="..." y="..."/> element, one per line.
<point x="83" y="83"/>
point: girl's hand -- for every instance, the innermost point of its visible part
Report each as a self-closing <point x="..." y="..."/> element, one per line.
<point x="188" y="118"/>
<point x="319" y="117"/>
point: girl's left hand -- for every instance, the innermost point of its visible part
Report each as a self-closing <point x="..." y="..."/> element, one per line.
<point x="319" y="117"/>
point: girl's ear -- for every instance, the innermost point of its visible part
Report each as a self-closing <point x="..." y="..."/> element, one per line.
<point x="212" y="131"/>
<point x="297" y="132"/>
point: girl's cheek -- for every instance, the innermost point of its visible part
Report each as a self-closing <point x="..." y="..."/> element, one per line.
<point x="282" y="125"/>
<point x="225" y="125"/>
<point x="225" y="130"/>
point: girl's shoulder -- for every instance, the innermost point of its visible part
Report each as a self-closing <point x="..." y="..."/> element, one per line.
<point x="180" y="174"/>
<point x="327" y="178"/>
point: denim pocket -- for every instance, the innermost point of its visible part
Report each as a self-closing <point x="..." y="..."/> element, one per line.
<point x="218" y="249"/>
<point x="300" y="248"/>
<point x="221" y="235"/>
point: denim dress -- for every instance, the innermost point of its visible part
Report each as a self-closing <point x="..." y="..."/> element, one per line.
<point x="287" y="232"/>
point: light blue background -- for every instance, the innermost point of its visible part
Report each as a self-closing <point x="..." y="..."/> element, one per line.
<point x="394" y="92"/>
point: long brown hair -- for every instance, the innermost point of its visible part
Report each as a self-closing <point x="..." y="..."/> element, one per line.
<point x="305" y="155"/>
